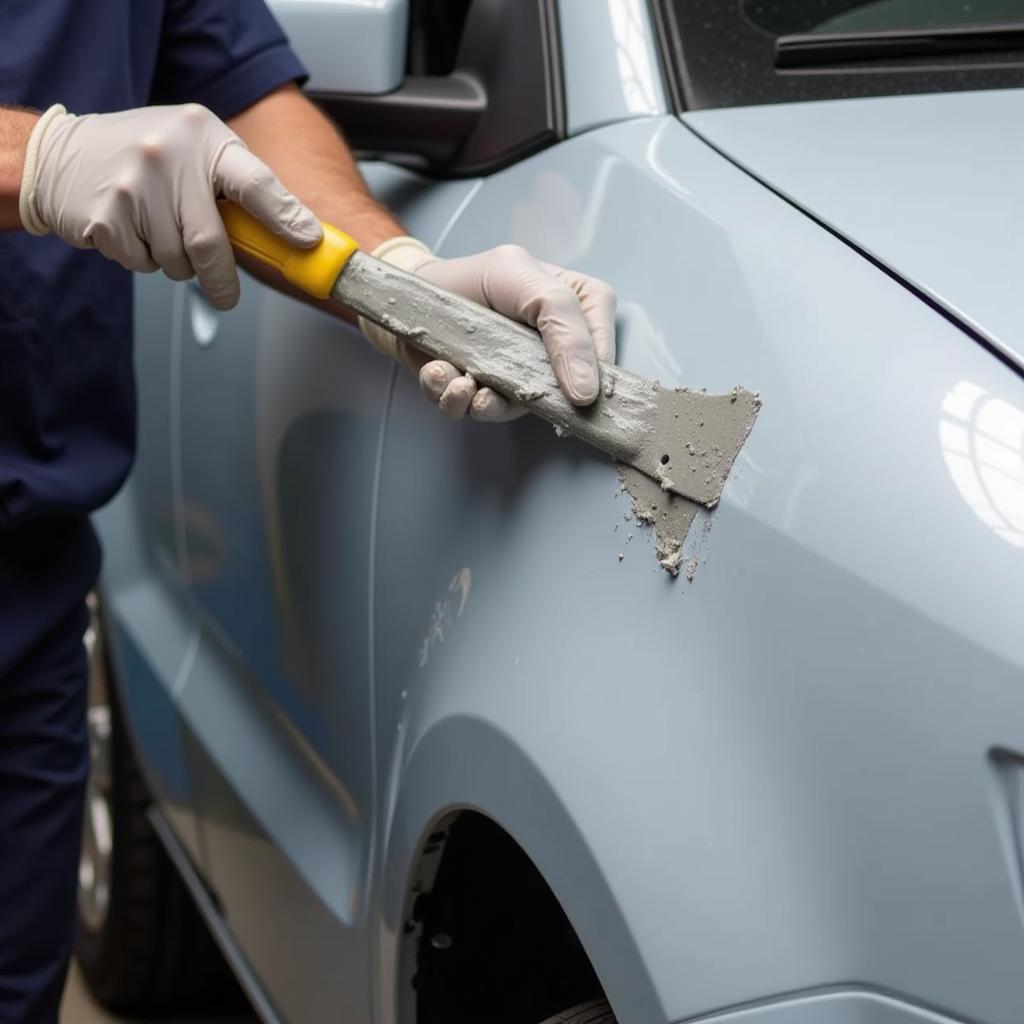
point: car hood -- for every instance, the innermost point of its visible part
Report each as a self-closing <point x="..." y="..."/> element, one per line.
<point x="932" y="187"/>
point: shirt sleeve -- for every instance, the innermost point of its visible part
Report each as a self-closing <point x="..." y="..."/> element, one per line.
<point x="225" y="54"/>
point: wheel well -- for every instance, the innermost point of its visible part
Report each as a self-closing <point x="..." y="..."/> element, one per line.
<point x="485" y="938"/>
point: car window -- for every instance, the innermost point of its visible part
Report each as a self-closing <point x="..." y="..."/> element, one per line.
<point x="435" y="30"/>
<point x="742" y="52"/>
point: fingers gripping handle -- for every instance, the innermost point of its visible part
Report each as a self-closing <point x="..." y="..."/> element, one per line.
<point x="313" y="270"/>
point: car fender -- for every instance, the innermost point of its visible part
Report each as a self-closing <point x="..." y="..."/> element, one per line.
<point x="785" y="773"/>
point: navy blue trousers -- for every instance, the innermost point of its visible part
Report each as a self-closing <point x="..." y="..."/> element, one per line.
<point x="46" y="568"/>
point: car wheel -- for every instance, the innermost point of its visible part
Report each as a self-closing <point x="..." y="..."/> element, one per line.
<point x="140" y="941"/>
<point x="595" y="1012"/>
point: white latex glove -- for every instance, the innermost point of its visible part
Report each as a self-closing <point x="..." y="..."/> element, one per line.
<point x="141" y="186"/>
<point x="575" y="315"/>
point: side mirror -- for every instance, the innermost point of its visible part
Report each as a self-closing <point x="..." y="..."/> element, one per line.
<point x="481" y="87"/>
<point x="349" y="46"/>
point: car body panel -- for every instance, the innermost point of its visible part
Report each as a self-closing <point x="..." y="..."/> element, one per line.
<point x="614" y="37"/>
<point x="348" y="45"/>
<point x="832" y="1007"/>
<point x="145" y="597"/>
<point x="788" y="790"/>
<point x="922" y="183"/>
<point x="281" y="412"/>
<point x="782" y="770"/>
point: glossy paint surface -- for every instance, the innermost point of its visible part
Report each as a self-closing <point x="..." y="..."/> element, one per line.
<point x="926" y="184"/>
<point x="780" y="776"/>
<point x="144" y="591"/>
<point x="609" y="62"/>
<point x="282" y="409"/>
<point x="787" y="792"/>
<point x="348" y="45"/>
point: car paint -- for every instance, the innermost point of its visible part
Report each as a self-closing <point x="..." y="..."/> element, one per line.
<point x="295" y="400"/>
<point x="925" y="184"/>
<point x="786" y="791"/>
<point x="762" y="764"/>
<point x="348" y="45"/>
<point x="613" y="38"/>
<point x="147" y="606"/>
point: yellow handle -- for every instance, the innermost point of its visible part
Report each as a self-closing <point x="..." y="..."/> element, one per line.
<point x="313" y="270"/>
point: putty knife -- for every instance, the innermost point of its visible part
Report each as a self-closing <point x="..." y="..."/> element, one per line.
<point x="687" y="440"/>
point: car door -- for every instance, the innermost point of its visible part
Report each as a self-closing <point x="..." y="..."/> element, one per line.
<point x="144" y="599"/>
<point x="279" y="416"/>
<point x="281" y="412"/>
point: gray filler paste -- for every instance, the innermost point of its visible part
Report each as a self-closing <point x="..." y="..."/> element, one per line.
<point x="667" y="513"/>
<point x="711" y="432"/>
<point x="673" y="446"/>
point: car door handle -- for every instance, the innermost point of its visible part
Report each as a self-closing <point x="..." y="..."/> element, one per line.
<point x="203" y="318"/>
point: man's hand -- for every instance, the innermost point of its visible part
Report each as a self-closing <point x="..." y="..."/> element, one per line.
<point x="141" y="186"/>
<point x="575" y="315"/>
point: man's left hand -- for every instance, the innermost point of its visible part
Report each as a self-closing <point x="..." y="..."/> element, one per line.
<point x="574" y="313"/>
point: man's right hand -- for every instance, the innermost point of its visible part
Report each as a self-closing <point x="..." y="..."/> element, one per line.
<point x="141" y="186"/>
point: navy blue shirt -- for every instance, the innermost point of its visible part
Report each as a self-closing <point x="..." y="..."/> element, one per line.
<point x="67" y="400"/>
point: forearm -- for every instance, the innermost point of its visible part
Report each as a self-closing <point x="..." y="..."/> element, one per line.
<point x="15" y="128"/>
<point x="287" y="132"/>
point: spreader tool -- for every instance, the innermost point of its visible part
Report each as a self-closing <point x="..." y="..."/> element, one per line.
<point x="686" y="440"/>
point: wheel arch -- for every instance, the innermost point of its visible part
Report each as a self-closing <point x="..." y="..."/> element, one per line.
<point x="513" y="794"/>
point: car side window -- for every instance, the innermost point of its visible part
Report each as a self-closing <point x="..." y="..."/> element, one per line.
<point x="723" y="53"/>
<point x="435" y="31"/>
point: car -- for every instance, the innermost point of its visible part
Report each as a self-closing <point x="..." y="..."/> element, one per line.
<point x="403" y="717"/>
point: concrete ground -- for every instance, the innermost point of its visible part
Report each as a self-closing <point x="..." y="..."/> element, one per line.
<point x="78" y="1008"/>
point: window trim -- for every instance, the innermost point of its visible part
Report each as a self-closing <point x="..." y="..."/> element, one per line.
<point x="880" y="77"/>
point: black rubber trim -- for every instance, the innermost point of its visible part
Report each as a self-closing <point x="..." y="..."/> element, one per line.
<point x="554" y="79"/>
<point x="211" y="916"/>
<point x="1005" y="358"/>
<point x="821" y="50"/>
<point x="667" y="51"/>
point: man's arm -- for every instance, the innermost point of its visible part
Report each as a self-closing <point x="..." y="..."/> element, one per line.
<point x="287" y="132"/>
<point x="575" y="313"/>
<point x="141" y="187"/>
<point x="15" y="128"/>
<point x="290" y="135"/>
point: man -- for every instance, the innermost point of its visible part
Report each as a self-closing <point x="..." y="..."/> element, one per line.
<point x="139" y="184"/>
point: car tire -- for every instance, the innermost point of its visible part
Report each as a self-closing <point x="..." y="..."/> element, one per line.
<point x="597" y="1011"/>
<point x="140" y="942"/>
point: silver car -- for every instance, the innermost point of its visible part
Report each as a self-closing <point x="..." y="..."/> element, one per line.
<point x="405" y="715"/>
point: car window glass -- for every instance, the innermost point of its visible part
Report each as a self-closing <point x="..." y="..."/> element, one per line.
<point x="740" y="52"/>
<point x="435" y="30"/>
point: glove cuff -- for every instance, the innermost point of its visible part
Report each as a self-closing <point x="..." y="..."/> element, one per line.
<point x="408" y="254"/>
<point x="405" y="252"/>
<point x="27" y="211"/>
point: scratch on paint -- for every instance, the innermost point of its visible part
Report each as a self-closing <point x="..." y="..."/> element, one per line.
<point x="445" y="613"/>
